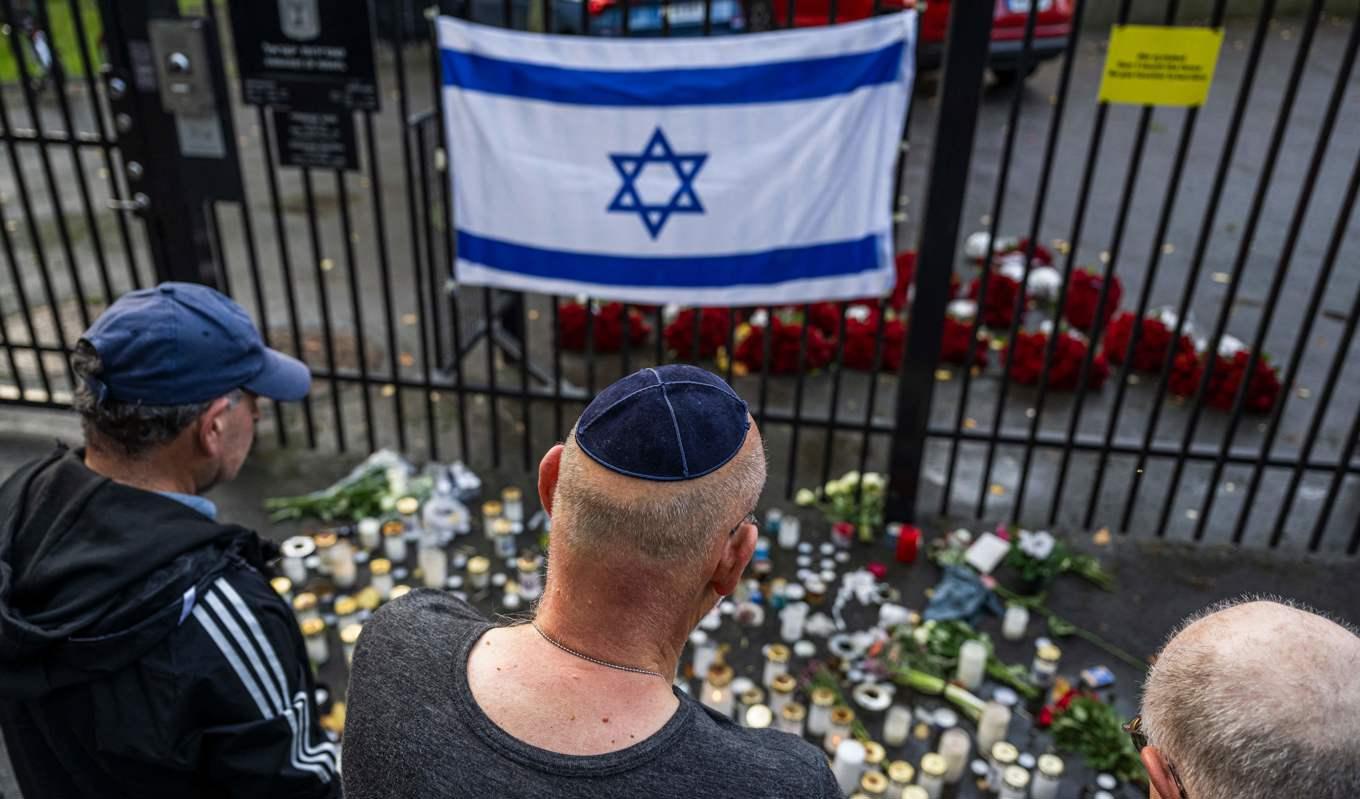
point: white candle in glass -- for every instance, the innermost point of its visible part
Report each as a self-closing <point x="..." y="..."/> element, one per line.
<point x="434" y="566"/>
<point x="1003" y="755"/>
<point x="304" y="607"/>
<point x="717" y="691"/>
<point x="776" y="663"/>
<point x="1014" y="783"/>
<point x="343" y="570"/>
<point x="896" y="725"/>
<point x="394" y="541"/>
<point x="781" y="692"/>
<point x="838" y="728"/>
<point x="512" y="500"/>
<point x="972" y="664"/>
<point x="1048" y="778"/>
<point x="931" y="776"/>
<point x="790" y="530"/>
<point x="900" y="775"/>
<point x="1015" y="622"/>
<point x="954" y="748"/>
<point x="992" y="725"/>
<point x="819" y="716"/>
<point x="491" y="511"/>
<point x="848" y="765"/>
<point x="296" y="550"/>
<point x="314" y="632"/>
<point x="380" y="576"/>
<point x="791" y="718"/>
<point x="530" y="579"/>
<point x="370" y="533"/>
<point x="479" y="572"/>
<point x="349" y="635"/>
<point x="791" y="620"/>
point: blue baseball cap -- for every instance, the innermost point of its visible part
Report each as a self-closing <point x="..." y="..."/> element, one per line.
<point x="182" y="343"/>
<point x="675" y="422"/>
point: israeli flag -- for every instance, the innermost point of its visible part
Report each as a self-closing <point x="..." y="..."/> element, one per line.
<point x="743" y="170"/>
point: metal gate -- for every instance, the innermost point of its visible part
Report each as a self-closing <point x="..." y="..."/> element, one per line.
<point x="347" y="269"/>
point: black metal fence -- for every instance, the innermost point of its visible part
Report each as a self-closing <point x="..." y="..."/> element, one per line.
<point x="1235" y="216"/>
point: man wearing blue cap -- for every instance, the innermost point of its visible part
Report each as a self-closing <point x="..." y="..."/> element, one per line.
<point x="142" y="650"/>
<point x="651" y="499"/>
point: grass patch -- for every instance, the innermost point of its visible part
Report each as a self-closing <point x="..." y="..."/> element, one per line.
<point x="61" y="37"/>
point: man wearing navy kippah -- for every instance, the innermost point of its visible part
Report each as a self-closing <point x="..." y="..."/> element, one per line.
<point x="143" y="652"/>
<point x="651" y="499"/>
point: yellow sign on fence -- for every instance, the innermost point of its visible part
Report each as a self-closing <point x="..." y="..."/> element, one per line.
<point x="1160" y="65"/>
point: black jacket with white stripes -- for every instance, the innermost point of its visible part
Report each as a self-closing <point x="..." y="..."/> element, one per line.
<point x="143" y="652"/>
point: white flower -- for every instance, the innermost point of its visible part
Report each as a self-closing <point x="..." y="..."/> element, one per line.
<point x="860" y="313"/>
<point x="1228" y="346"/>
<point x="760" y="318"/>
<point x="962" y="310"/>
<point x="975" y="246"/>
<point x="1167" y="316"/>
<point x="1044" y="283"/>
<point x="805" y="497"/>
<point x="850" y="479"/>
<point x="1012" y="265"/>
<point x="1046" y="326"/>
<point x="1037" y="545"/>
<point x="1005" y="243"/>
<point x="873" y="480"/>
<point x="670" y="312"/>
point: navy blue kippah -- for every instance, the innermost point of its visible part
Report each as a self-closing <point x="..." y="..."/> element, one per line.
<point x="673" y="422"/>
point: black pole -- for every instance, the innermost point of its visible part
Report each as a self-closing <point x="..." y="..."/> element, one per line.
<point x="970" y="30"/>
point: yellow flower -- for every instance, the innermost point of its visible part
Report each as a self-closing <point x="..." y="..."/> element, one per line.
<point x="805" y="497"/>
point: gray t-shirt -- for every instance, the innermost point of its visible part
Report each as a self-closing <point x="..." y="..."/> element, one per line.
<point x="414" y="730"/>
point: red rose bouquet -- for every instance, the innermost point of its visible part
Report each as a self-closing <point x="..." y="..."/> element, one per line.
<point x="1262" y="391"/>
<point x="999" y="310"/>
<point x="1083" y="295"/>
<point x="826" y="317"/>
<point x="1153" y="340"/>
<point x="714" y="324"/>
<point x="784" y="342"/>
<point x="608" y="327"/>
<point x="1042" y="255"/>
<point x="861" y="339"/>
<point x="1063" y="372"/>
<point x="1186" y="371"/>
<point x="906" y="271"/>
<point x="954" y="343"/>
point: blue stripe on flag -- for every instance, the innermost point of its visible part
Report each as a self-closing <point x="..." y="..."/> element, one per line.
<point x="773" y="82"/>
<point x="701" y="271"/>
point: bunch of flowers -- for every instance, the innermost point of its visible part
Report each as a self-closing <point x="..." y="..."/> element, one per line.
<point x="861" y="340"/>
<point x="1263" y="390"/>
<point x="906" y="271"/>
<point x="609" y="322"/>
<point x="714" y="326"/>
<point x="1064" y="371"/>
<point x="1083" y="297"/>
<point x="1082" y="724"/>
<point x="826" y="317"/>
<point x="854" y="498"/>
<point x="1037" y="558"/>
<point x="785" y="338"/>
<point x="999" y="309"/>
<point x="958" y="332"/>
<point x="1154" y="338"/>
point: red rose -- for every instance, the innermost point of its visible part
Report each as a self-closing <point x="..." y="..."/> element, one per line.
<point x="955" y="341"/>
<point x="861" y="339"/>
<point x="826" y="317"/>
<point x="1153" y="340"/>
<point x="1186" y="371"/>
<point x="1041" y="255"/>
<point x="713" y="330"/>
<point x="1083" y="294"/>
<point x="1045" y="719"/>
<point x="999" y="310"/>
<point x="1262" y="391"/>
<point x="608" y="327"/>
<point x="1063" y="372"/>
<point x="785" y="339"/>
<point x="906" y="271"/>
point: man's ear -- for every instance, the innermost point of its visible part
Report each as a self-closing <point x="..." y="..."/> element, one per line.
<point x="1163" y="784"/>
<point x="736" y="553"/>
<point x="210" y="426"/>
<point x="548" y="469"/>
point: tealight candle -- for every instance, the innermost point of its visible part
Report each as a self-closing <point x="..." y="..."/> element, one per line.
<point x="394" y="541"/>
<point x="838" y="728"/>
<point x="896" y="725"/>
<point x="954" y="747"/>
<point x="703" y="650"/>
<point x="343" y="570"/>
<point x="503" y="534"/>
<point x="434" y="565"/>
<point x="296" y="550"/>
<point x="370" y="532"/>
<point x="1003" y="755"/>
<point x="900" y="775"/>
<point x="873" y="783"/>
<point x="758" y="717"/>
<point x="512" y="502"/>
<point x="283" y="587"/>
<point x="408" y="508"/>
<point x="992" y="725"/>
<point x="791" y="620"/>
<point x="717" y="692"/>
<point x="972" y="664"/>
<point x="479" y="572"/>
<point x="1014" y="783"/>
<point x="349" y="635"/>
<point x="819" y="717"/>
<point x="1015" y="622"/>
<point x="1048" y="778"/>
<point x="491" y="511"/>
<point x="914" y="792"/>
<point x="324" y="541"/>
<point x="791" y="718"/>
<point x="1045" y="665"/>
<point x="933" y="767"/>
<point x="345" y="609"/>
<point x="304" y="607"/>
<point x="874" y="755"/>
<point x="530" y="579"/>
<point x="776" y="663"/>
<point x="790" y="530"/>
<point x="748" y="699"/>
<point x="380" y="576"/>
<point x="848" y="764"/>
<point x="314" y="633"/>
<point x="781" y="691"/>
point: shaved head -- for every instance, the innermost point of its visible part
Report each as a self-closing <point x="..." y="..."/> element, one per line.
<point x="1258" y="698"/>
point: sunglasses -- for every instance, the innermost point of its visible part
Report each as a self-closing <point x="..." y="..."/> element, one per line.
<point x="1135" y="730"/>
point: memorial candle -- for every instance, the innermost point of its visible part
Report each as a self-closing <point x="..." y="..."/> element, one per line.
<point x="530" y="578"/>
<point x="479" y="572"/>
<point x="972" y="664"/>
<point x="776" y="663"/>
<point x="790" y="530"/>
<point x="1048" y="778"/>
<point x="933" y="767"/>
<point x="343" y="570"/>
<point x="491" y="511"/>
<point x="900" y="775"/>
<point x="896" y="725"/>
<point x="370" y="532"/>
<point x="791" y="620"/>
<point x="512" y="502"/>
<point x="908" y="543"/>
<point x="819" y="717"/>
<point x="295" y="551"/>
<point x="717" y="692"/>
<point x="283" y="587"/>
<point x="434" y="565"/>
<point x="954" y="748"/>
<point x="349" y="635"/>
<point x="1045" y="666"/>
<point x="314" y="633"/>
<point x="791" y="718"/>
<point x="394" y="541"/>
<point x="1003" y="755"/>
<point x="1014" y="623"/>
<point x="873" y="783"/>
<point x="848" y="764"/>
<point x="346" y="607"/>
<point x="992" y="725"/>
<point x="838" y="728"/>
<point x="304" y="607"/>
<point x="1014" y="783"/>
<point x="324" y="542"/>
<point x="781" y="691"/>
<point x="380" y="576"/>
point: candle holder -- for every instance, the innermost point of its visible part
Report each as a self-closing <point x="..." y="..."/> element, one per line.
<point x="394" y="541"/>
<point x="1002" y="756"/>
<point x="896" y="725"/>
<point x="341" y="562"/>
<point x="314" y="634"/>
<point x="776" y="663"/>
<point x="295" y="551"/>
<point x="434" y="565"/>
<point x="717" y="691"/>
<point x="491" y="511"/>
<point x="848" y="764"/>
<point x="790" y="530"/>
<point x="380" y="577"/>
<point x="304" y="607"/>
<point x="283" y="587"/>
<point x="324" y="542"/>
<point x="345" y="610"/>
<point x="972" y="664"/>
<point x="748" y="699"/>
<point x="758" y="717"/>
<point x="933" y="768"/>
<point x="955" y="745"/>
<point x="819" y="716"/>
<point x="349" y="636"/>
<point x="1048" y="778"/>
<point x="838" y="728"/>
<point x="512" y="503"/>
<point x="1014" y="783"/>
<point x="479" y="572"/>
<point x="370" y="533"/>
<point x="873" y="783"/>
<point x="992" y="725"/>
<point x="792" y="718"/>
<point x="1015" y="622"/>
<point x="781" y="691"/>
<point x="530" y="578"/>
<point x="900" y="775"/>
<point x="503" y="536"/>
<point x="1044" y="669"/>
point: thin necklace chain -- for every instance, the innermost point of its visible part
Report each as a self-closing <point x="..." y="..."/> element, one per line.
<point x="588" y="658"/>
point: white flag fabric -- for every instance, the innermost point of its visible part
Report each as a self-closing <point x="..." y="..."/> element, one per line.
<point x="742" y="170"/>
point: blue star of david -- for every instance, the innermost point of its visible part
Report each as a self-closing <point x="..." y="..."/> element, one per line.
<point x="657" y="151"/>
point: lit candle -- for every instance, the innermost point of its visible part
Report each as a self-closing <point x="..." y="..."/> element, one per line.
<point x="1045" y="665"/>
<point x="781" y="691"/>
<point x="849" y="764"/>
<point x="900" y="775"/>
<point x="408" y="508"/>
<point x="791" y="620"/>
<point x="972" y="664"/>
<point x="314" y="632"/>
<point x="1048" y="778"/>
<point x="717" y="693"/>
<point x="933" y="767"/>
<point x="776" y="663"/>
<point x="283" y="587"/>
<point x="324" y="541"/>
<point x="512" y="500"/>
<point x="748" y="699"/>
<point x="530" y="580"/>
<point x="1014" y="783"/>
<point x="838" y="728"/>
<point x="1003" y="755"/>
<point x="759" y="717"/>
<point x="954" y="748"/>
<point x="790" y="530"/>
<point x="992" y="725"/>
<point x="491" y="511"/>
<point x="434" y="566"/>
<point x="703" y="651"/>
<point x="380" y="576"/>
<point x="343" y="570"/>
<point x="479" y="572"/>
<point x="791" y="718"/>
<point x="349" y="635"/>
<point x="1015" y="622"/>
<point x="296" y="550"/>
<point x="503" y="534"/>
<point x="304" y="607"/>
<point x="873" y="783"/>
<point x="394" y="541"/>
<point x="908" y="544"/>
<point x="345" y="609"/>
<point x="896" y="725"/>
<point x="370" y="531"/>
<point x="819" y="717"/>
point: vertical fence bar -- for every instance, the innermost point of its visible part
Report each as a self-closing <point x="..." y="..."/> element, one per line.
<point x="385" y="270"/>
<point x="286" y="263"/>
<point x="1338" y="365"/>
<point x="970" y="27"/>
<point x="525" y="408"/>
<point x="731" y="342"/>
<point x="13" y="362"/>
<point x="257" y="287"/>
<point x="866" y="431"/>
<point x="1240" y="263"/>
<point x="559" y="433"/>
<point x="455" y="321"/>
<point x="1036" y="218"/>
<point x="356" y="309"/>
<point x="327" y="332"/>
<point x="832" y="413"/>
<point x="1197" y="260"/>
<point x="766" y="348"/>
<point x="1334" y="490"/>
<point x="998" y="205"/>
<point x="214" y="225"/>
<point x="659" y="322"/>
<point x="797" y="403"/>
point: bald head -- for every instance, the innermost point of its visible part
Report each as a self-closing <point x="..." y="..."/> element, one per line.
<point x="1258" y="698"/>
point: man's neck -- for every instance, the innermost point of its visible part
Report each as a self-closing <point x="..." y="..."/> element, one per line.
<point x="148" y="474"/>
<point x="626" y="637"/>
